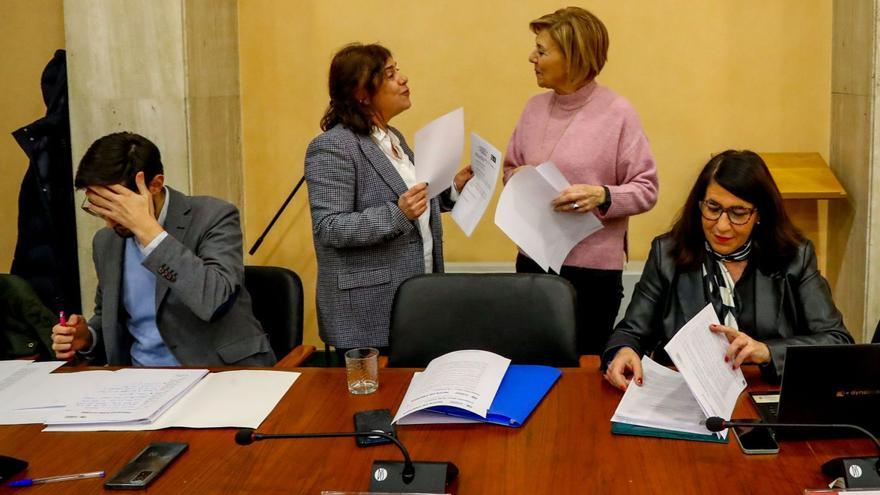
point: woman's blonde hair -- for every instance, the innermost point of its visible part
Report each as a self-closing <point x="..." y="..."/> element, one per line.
<point x="582" y="38"/>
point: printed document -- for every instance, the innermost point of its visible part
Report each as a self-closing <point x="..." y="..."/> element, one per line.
<point x="132" y="395"/>
<point x="467" y="379"/>
<point x="525" y="214"/>
<point x="663" y="401"/>
<point x="239" y="399"/>
<point x="20" y="381"/>
<point x="439" y="146"/>
<point x="472" y="203"/>
<point x="698" y="353"/>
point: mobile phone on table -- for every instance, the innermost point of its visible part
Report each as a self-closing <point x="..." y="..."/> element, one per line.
<point x="374" y="420"/>
<point x="146" y="466"/>
<point x="756" y="440"/>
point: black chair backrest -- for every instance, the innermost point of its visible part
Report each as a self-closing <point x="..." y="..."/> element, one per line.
<point x="277" y="299"/>
<point x="525" y="317"/>
<point x="876" y="339"/>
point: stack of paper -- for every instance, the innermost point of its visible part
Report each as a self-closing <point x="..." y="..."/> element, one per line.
<point x="130" y="396"/>
<point x="240" y="399"/>
<point x="676" y="404"/>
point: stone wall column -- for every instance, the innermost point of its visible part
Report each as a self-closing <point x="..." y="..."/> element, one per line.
<point x="166" y="69"/>
<point x="854" y="233"/>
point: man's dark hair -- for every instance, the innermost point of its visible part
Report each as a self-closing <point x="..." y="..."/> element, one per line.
<point x="745" y="175"/>
<point x="116" y="159"/>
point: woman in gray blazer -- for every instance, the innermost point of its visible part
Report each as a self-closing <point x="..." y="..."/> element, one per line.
<point x="373" y="225"/>
<point x="732" y="246"/>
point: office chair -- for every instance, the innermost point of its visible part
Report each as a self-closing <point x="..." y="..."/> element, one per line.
<point x="277" y="298"/>
<point x="525" y="317"/>
<point x="876" y="339"/>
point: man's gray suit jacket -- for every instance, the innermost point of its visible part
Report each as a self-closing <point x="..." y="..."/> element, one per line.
<point x="202" y="308"/>
<point x="365" y="245"/>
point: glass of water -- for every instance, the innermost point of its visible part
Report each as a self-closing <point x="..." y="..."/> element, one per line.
<point x="362" y="368"/>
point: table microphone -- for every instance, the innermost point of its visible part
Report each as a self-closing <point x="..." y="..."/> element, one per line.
<point x="387" y="476"/>
<point x="859" y="472"/>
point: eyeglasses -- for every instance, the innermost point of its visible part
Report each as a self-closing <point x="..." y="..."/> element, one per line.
<point x="737" y="215"/>
<point x="85" y="207"/>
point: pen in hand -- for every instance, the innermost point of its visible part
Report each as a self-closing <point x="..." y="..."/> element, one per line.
<point x="62" y="320"/>
<point x="54" y="479"/>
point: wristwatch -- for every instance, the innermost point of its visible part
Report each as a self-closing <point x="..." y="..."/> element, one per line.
<point x="607" y="203"/>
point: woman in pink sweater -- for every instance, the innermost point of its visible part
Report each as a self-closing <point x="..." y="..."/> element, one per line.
<point x="596" y="140"/>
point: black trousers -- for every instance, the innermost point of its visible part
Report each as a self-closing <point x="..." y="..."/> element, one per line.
<point x="599" y="293"/>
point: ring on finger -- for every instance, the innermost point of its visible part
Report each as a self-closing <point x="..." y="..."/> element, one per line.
<point x="575" y="206"/>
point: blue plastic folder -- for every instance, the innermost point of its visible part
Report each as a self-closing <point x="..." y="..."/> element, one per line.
<point x="521" y="389"/>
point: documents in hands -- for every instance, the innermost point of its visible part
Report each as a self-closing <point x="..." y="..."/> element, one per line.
<point x="485" y="162"/>
<point x="526" y="216"/>
<point x="475" y="386"/>
<point x="438" y="149"/>
<point x="676" y="404"/>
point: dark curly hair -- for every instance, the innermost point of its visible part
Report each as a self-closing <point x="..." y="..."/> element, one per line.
<point x="354" y="68"/>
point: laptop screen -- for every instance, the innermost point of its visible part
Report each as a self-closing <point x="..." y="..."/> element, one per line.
<point x="832" y="384"/>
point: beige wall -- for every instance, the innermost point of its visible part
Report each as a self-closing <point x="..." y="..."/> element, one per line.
<point x="30" y="32"/>
<point x="704" y="76"/>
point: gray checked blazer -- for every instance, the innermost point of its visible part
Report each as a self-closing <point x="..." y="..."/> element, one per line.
<point x="366" y="247"/>
<point x="202" y="309"/>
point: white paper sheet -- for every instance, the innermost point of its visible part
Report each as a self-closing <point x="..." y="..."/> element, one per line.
<point x="472" y="203"/>
<point x="439" y="146"/>
<point x="465" y="379"/>
<point x="20" y="380"/>
<point x="525" y="214"/>
<point x="14" y="376"/>
<point x="698" y="353"/>
<point x="229" y="399"/>
<point x="663" y="401"/>
<point x="132" y="395"/>
<point x="11" y="366"/>
<point x="58" y="390"/>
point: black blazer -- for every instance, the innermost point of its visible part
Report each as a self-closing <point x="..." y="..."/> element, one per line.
<point x="793" y="307"/>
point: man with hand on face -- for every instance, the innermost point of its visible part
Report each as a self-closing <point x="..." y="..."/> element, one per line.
<point x="170" y="270"/>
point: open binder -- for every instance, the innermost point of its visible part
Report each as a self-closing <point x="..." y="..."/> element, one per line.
<point x="475" y="386"/>
<point x="520" y="391"/>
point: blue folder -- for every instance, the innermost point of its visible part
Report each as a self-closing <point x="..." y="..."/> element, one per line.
<point x="521" y="389"/>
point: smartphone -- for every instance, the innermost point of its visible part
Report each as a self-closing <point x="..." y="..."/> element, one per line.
<point x="374" y="420"/>
<point x="146" y="466"/>
<point x="756" y="440"/>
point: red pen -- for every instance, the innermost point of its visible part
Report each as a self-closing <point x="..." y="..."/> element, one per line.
<point x="61" y="319"/>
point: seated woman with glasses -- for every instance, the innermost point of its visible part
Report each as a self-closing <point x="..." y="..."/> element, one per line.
<point x="732" y="246"/>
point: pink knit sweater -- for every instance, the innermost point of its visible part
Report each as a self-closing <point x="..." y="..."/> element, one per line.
<point x="594" y="137"/>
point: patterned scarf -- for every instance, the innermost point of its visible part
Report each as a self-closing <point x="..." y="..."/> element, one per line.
<point x="718" y="283"/>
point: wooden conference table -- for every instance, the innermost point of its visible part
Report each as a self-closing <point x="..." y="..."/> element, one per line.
<point x="565" y="447"/>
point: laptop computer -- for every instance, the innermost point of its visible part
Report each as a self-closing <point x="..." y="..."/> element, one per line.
<point x="825" y="384"/>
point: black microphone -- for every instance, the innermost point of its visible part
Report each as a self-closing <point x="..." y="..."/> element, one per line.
<point x="859" y="472"/>
<point x="387" y="476"/>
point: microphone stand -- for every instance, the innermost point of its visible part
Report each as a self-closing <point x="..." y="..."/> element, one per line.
<point x="386" y="476"/>
<point x="259" y="240"/>
<point x="858" y="472"/>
